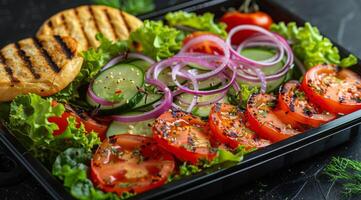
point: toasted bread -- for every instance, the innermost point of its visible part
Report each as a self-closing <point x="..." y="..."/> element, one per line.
<point x="43" y="66"/>
<point x="84" y="22"/>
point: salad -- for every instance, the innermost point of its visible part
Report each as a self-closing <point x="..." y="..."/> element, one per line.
<point x="180" y="96"/>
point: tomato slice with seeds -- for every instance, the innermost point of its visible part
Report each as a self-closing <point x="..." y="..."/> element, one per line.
<point x="130" y="163"/>
<point x="185" y="136"/>
<point x="262" y="119"/>
<point x="335" y="91"/>
<point x="227" y="125"/>
<point x="299" y="108"/>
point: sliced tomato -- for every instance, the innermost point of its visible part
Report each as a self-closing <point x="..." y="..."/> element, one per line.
<point x="262" y="119"/>
<point x="130" y="163"/>
<point x="207" y="47"/>
<point x="81" y="118"/>
<point x="335" y="91"/>
<point x="184" y="135"/>
<point x="227" y="125"/>
<point x="235" y="18"/>
<point x="299" y="108"/>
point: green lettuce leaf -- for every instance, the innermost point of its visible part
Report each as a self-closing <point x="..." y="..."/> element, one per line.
<point x="243" y="95"/>
<point x="134" y="7"/>
<point x="310" y="46"/>
<point x="28" y="121"/>
<point x="157" y="40"/>
<point x="223" y="157"/>
<point x="94" y="60"/>
<point x="203" y="22"/>
<point x="71" y="166"/>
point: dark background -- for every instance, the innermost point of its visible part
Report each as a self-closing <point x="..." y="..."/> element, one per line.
<point x="339" y="20"/>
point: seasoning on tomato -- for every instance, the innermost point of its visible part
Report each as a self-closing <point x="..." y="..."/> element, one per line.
<point x="299" y="108"/>
<point x="235" y="18"/>
<point x="130" y="163"/>
<point x="207" y="47"/>
<point x="81" y="118"/>
<point x="262" y="119"/>
<point x="228" y="127"/>
<point x="185" y="136"/>
<point x="335" y="91"/>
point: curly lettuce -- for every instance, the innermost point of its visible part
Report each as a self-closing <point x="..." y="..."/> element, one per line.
<point x="203" y="22"/>
<point x="94" y="60"/>
<point x="28" y="121"/>
<point x="310" y="46"/>
<point x="71" y="166"/>
<point x="157" y="40"/>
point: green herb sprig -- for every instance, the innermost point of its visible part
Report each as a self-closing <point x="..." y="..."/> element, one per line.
<point x="346" y="171"/>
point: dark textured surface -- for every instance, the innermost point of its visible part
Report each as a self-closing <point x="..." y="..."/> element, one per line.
<point x="340" y="20"/>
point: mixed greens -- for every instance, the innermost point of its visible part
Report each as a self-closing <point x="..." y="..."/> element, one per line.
<point x="28" y="121"/>
<point x="310" y="46"/>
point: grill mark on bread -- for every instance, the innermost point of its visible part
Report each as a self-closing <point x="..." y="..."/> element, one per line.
<point x="50" y="24"/>
<point x="125" y="21"/>
<point x="67" y="51"/>
<point x="8" y="70"/>
<point x="46" y="55"/>
<point x="109" y="20"/>
<point x="63" y="21"/>
<point x="91" y="12"/>
<point x="82" y="27"/>
<point x="27" y="61"/>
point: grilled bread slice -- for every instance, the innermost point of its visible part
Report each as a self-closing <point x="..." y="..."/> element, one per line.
<point x="84" y="22"/>
<point x="43" y="66"/>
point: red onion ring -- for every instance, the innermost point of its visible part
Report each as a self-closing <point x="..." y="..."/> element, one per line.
<point x="247" y="61"/>
<point x="97" y="99"/>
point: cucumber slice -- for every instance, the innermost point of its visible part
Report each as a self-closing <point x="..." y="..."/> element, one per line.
<point x="203" y="111"/>
<point x="200" y="111"/>
<point x="123" y="78"/>
<point x="196" y="66"/>
<point x="210" y="84"/>
<point x="142" y="64"/>
<point x="137" y="128"/>
<point x="147" y="100"/>
<point x="166" y="77"/>
<point x="261" y="53"/>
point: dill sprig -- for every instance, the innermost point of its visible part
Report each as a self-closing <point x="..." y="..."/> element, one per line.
<point x="347" y="172"/>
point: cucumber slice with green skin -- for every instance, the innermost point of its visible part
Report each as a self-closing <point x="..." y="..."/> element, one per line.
<point x="203" y="111"/>
<point x="259" y="54"/>
<point x="196" y="66"/>
<point x="137" y="128"/>
<point x="142" y="64"/>
<point x="200" y="111"/>
<point x="165" y="76"/>
<point x="147" y="100"/>
<point x="210" y="83"/>
<point x="125" y="79"/>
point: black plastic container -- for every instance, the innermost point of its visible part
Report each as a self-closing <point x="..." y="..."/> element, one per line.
<point x="256" y="164"/>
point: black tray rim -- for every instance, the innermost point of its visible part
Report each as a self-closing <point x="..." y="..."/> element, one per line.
<point x="56" y="189"/>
